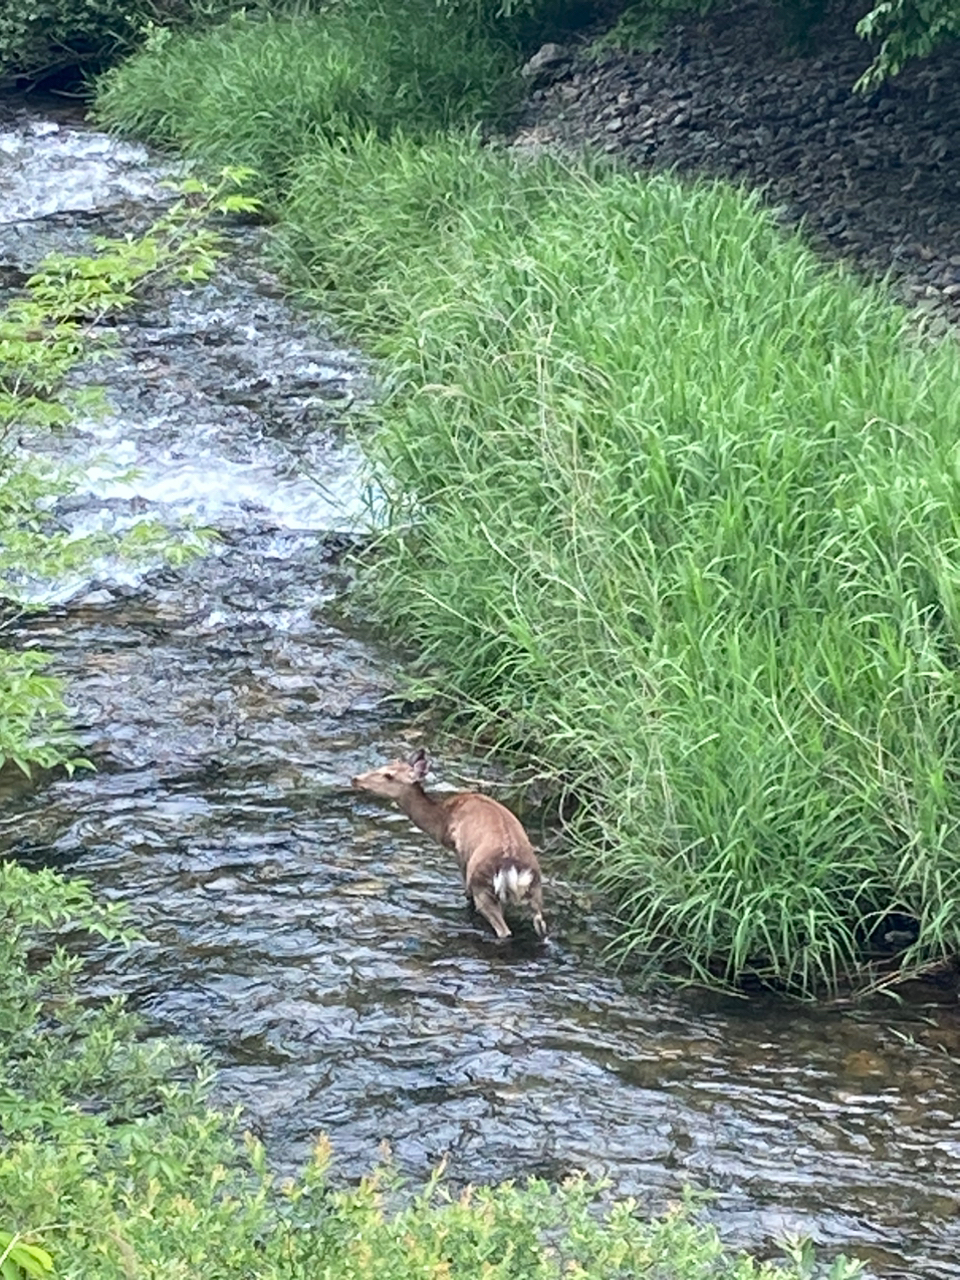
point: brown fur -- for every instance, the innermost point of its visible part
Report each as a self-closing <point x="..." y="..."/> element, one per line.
<point x="485" y="836"/>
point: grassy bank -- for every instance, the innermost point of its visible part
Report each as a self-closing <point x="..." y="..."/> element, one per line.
<point x="671" y="505"/>
<point x="271" y="88"/>
<point x="109" y="1169"/>
<point x="676" y="508"/>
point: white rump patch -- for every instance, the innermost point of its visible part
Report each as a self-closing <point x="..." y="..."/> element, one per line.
<point x="510" y="884"/>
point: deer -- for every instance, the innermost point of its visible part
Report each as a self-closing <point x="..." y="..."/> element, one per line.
<point x="496" y="858"/>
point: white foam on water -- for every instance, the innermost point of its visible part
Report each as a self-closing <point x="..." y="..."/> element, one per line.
<point x="211" y="394"/>
<point x="48" y="168"/>
<point x="209" y="488"/>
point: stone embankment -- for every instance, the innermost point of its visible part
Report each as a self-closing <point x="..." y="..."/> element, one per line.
<point x="874" y="179"/>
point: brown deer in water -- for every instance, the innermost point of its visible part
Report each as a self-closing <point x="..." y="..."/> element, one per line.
<point x="499" y="866"/>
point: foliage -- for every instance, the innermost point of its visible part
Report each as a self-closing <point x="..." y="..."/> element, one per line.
<point x="533" y="1230"/>
<point x="53" y="1044"/>
<point x="44" y="333"/>
<point x="42" y="37"/>
<point x="108" y="1169"/>
<point x="33" y="730"/>
<point x="267" y="89"/>
<point x="906" y="29"/>
<point x="47" y="330"/>
<point x="670" y="505"/>
<point x="22" y="1261"/>
<point x="95" y="1129"/>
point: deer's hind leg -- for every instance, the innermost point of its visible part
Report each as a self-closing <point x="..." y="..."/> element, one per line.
<point x="535" y="898"/>
<point x="488" y="904"/>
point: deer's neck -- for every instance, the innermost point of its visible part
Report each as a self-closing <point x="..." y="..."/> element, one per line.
<point x="430" y="815"/>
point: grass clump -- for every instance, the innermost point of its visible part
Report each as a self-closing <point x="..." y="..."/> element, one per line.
<point x="675" y="507"/>
<point x="641" y="27"/>
<point x="263" y="90"/>
<point x="112" y="1164"/>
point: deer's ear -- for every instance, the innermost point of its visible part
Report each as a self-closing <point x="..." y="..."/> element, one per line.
<point x="419" y="763"/>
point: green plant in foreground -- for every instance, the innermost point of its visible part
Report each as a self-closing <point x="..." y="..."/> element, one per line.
<point x="22" y="1261"/>
<point x="45" y="333"/>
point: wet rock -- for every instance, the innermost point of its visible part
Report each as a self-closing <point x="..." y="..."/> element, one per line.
<point x="549" y="60"/>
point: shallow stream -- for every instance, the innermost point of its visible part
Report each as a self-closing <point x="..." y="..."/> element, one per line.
<point x="314" y="942"/>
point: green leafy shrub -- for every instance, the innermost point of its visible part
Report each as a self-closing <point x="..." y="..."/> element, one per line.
<point x="95" y="1127"/>
<point x="906" y="29"/>
<point x="22" y="1261"/>
<point x="46" y="36"/>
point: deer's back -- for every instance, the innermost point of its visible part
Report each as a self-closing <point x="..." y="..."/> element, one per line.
<point x="485" y="835"/>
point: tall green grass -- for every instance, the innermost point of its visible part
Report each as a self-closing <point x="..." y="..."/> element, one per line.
<point x="674" y="507"/>
<point x="677" y="508"/>
<point x="263" y="89"/>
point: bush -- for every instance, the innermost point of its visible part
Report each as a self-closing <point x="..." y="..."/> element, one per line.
<point x="265" y="91"/>
<point x="47" y="36"/>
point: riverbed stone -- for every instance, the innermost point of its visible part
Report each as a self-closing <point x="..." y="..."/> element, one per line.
<point x="549" y="59"/>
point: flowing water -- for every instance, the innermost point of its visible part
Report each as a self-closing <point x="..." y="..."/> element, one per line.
<point x="314" y="942"/>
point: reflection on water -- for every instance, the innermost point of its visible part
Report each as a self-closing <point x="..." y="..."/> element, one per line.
<point x="312" y="939"/>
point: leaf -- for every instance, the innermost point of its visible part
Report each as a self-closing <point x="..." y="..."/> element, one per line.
<point x="21" y="1259"/>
